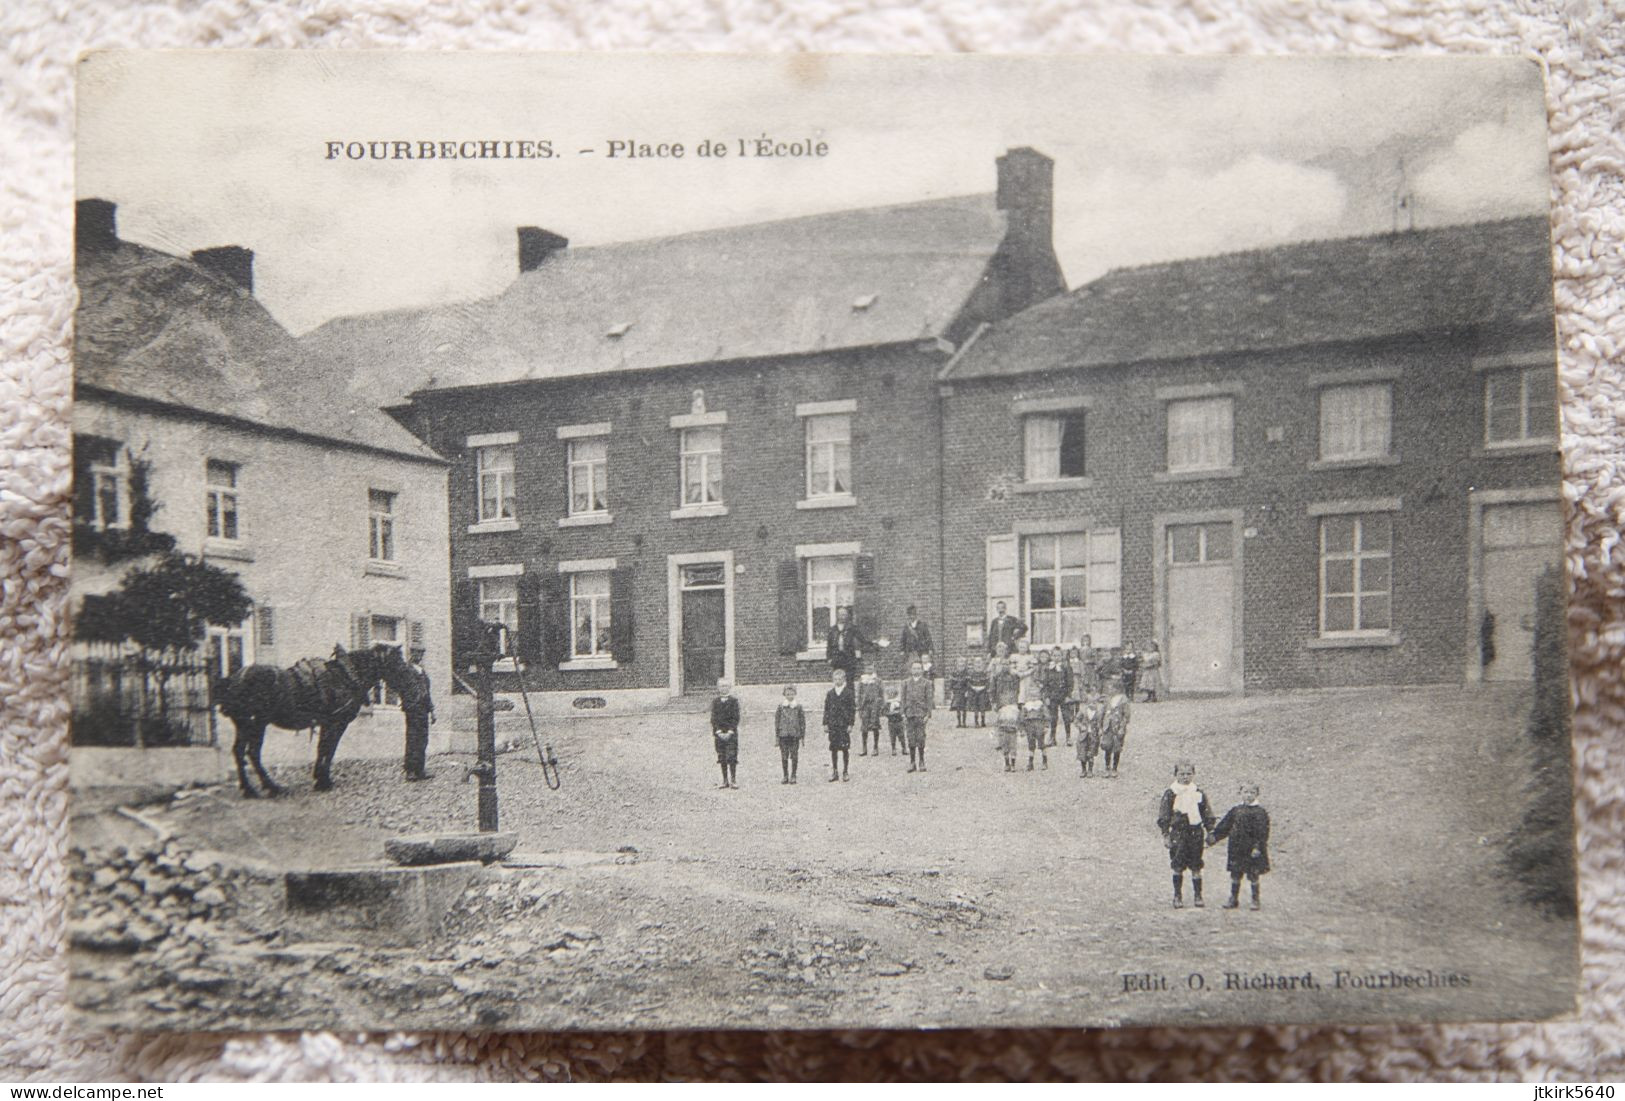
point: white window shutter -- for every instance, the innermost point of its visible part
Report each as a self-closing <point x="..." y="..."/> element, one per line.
<point x="1105" y="587"/>
<point x="1003" y="578"/>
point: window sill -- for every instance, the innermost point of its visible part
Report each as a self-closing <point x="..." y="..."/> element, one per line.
<point x="1350" y="464"/>
<point x="1387" y="640"/>
<point x="1196" y="475"/>
<point x="695" y="512"/>
<point x="234" y="549"/>
<point x="818" y="653"/>
<point x="577" y="665"/>
<point x="1520" y="447"/>
<point x="379" y="568"/>
<point x="586" y="520"/>
<point x="1052" y="485"/>
<point x="487" y="526"/>
<point x="834" y="500"/>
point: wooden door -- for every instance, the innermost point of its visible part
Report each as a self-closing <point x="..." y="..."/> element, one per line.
<point x="1200" y="652"/>
<point x="704" y="638"/>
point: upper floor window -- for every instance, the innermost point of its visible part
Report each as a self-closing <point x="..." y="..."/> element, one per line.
<point x="829" y="455"/>
<point x="702" y="466"/>
<point x="497" y="500"/>
<point x="588" y="470"/>
<point x="1054" y="446"/>
<point x="1356" y="574"/>
<point x="107" y="497"/>
<point x="380" y="525"/>
<point x="1520" y="406"/>
<point x="1201" y="434"/>
<point x="222" y="504"/>
<point x="1355" y="421"/>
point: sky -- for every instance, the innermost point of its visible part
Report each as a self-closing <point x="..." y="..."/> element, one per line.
<point x="1156" y="158"/>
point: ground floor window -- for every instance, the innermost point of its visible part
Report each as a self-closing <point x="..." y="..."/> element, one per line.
<point x="590" y="615"/>
<point x="831" y="585"/>
<point x="227" y="650"/>
<point x="1057" y="588"/>
<point x="1356" y="574"/>
<point x="387" y="630"/>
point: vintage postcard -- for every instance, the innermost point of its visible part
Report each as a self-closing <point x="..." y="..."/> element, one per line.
<point x="629" y="542"/>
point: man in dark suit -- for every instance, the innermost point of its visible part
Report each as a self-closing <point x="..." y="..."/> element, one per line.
<point x="417" y="704"/>
<point x="1006" y="629"/>
<point x="916" y="642"/>
<point x="844" y="645"/>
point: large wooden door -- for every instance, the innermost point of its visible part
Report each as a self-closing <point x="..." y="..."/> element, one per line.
<point x="705" y="632"/>
<point x="1200" y="651"/>
<point x="1520" y="542"/>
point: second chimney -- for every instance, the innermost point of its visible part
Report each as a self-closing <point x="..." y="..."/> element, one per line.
<point x="1026" y="194"/>
<point x="536" y="245"/>
<point x="232" y="261"/>
<point x="95" y="225"/>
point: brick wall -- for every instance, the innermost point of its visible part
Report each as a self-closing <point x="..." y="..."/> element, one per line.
<point x="1437" y="433"/>
<point x="895" y="480"/>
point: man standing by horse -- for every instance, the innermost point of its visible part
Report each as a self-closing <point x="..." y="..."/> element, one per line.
<point x="417" y="704"/>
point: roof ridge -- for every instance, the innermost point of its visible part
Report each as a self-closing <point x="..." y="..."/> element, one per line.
<point x="792" y="220"/>
<point x="1303" y="243"/>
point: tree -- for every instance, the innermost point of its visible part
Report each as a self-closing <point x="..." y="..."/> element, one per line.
<point x="167" y="606"/>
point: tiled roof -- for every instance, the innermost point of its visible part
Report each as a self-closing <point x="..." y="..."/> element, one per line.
<point x="1356" y="288"/>
<point x="818" y="283"/>
<point x="161" y="328"/>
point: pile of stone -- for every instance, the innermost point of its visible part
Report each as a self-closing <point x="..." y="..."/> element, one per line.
<point x="127" y="899"/>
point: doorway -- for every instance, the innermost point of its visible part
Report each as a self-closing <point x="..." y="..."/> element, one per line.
<point x="1200" y="567"/>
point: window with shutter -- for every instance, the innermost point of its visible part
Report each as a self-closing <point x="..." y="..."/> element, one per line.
<point x="265" y="625"/>
<point x="621" y="633"/>
<point x="792" y="625"/>
<point x="1003" y="582"/>
<point x="361" y="630"/>
<point x="1105" y="587"/>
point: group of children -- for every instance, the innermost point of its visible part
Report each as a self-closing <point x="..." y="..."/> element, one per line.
<point x="1184" y="817"/>
<point x="905" y="708"/>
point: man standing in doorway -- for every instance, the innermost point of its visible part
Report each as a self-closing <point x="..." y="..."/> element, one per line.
<point x="417" y="704"/>
<point x="1004" y="628"/>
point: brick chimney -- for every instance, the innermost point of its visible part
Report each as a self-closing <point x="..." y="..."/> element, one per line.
<point x="95" y="225"/>
<point x="232" y="261"/>
<point x="536" y="245"/>
<point x="1026" y="264"/>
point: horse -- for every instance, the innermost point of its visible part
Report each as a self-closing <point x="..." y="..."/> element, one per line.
<point x="313" y="693"/>
<point x="1113" y="732"/>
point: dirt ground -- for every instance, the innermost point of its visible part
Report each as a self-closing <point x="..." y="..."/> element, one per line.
<point x="958" y="896"/>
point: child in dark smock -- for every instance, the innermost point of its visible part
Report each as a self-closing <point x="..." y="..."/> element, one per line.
<point x="840" y="708"/>
<point x="725" y="732"/>
<point x="1247" y="826"/>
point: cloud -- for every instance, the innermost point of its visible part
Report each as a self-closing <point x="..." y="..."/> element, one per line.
<point x="1121" y="217"/>
<point x="1485" y="173"/>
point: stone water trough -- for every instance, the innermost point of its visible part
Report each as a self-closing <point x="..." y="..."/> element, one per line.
<point x="394" y="906"/>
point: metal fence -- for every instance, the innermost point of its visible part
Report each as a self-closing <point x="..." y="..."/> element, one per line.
<point x="125" y="697"/>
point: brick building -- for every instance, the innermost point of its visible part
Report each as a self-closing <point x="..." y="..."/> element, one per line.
<point x="1325" y="464"/>
<point x="197" y="415"/>
<point x="673" y="459"/>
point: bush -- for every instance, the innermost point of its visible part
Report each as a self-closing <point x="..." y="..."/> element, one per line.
<point x="1541" y="853"/>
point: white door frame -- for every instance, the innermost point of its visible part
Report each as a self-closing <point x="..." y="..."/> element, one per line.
<point x="674" y="611"/>
<point x="1160" y="524"/>
<point x="1477" y="500"/>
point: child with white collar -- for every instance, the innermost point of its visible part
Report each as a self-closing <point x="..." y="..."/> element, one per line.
<point x="1185" y="819"/>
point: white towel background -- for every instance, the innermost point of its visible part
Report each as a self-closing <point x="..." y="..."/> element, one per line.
<point x="1583" y="46"/>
